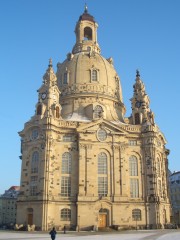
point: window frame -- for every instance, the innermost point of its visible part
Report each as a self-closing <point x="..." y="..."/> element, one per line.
<point x="136" y="214"/>
<point x="102" y="169"/>
<point x="134" y="187"/>
<point x="133" y="166"/>
<point x="102" y="186"/>
<point x="137" y="119"/>
<point x="98" y="111"/>
<point x="66" y="163"/>
<point x="65" y="214"/>
<point x="65" y="186"/>
<point x="65" y="78"/>
<point x="102" y="163"/>
<point x="35" y="162"/>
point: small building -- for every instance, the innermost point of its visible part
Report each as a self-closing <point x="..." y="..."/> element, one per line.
<point x="174" y="180"/>
<point x="8" y="206"/>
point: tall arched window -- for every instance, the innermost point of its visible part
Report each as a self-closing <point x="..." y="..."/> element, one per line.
<point x="66" y="163"/>
<point x="66" y="214"/>
<point x="133" y="166"/>
<point x="98" y="111"/>
<point x="66" y="174"/>
<point x="33" y="185"/>
<point x="102" y="174"/>
<point x="94" y="76"/>
<point x="39" y="109"/>
<point x="65" y="186"/>
<point x="57" y="112"/>
<point x="134" y="187"/>
<point x="65" y="79"/>
<point x="102" y="163"/>
<point x="134" y="181"/>
<point x="35" y="162"/>
<point x="137" y="118"/>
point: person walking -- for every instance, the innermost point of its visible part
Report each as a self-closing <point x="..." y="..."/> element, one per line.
<point x="53" y="233"/>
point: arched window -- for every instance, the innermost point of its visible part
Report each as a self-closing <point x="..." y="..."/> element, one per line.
<point x="39" y="109"/>
<point x="136" y="215"/>
<point x="66" y="163"/>
<point x="98" y="111"/>
<point x="102" y="163"/>
<point x="65" y="79"/>
<point x="94" y="76"/>
<point x="87" y="33"/>
<point x="137" y="118"/>
<point x="133" y="166"/>
<point x="102" y="175"/>
<point x="57" y="112"/>
<point x="35" y="162"/>
<point x="65" y="214"/>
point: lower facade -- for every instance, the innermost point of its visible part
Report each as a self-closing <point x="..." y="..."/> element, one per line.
<point x="93" y="215"/>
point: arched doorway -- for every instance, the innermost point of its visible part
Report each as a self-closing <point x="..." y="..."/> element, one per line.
<point x="30" y="216"/>
<point x="103" y="218"/>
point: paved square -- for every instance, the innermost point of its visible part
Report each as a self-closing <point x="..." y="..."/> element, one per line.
<point x="124" y="235"/>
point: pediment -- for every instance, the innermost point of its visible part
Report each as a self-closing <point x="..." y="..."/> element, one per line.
<point x="95" y="125"/>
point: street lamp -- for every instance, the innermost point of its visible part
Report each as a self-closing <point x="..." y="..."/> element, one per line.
<point x="136" y="222"/>
<point x="78" y="223"/>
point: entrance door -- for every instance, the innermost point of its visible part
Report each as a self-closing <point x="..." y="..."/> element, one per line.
<point x="102" y="220"/>
<point x="30" y="218"/>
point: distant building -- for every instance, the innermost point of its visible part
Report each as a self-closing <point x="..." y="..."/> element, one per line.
<point x="8" y="206"/>
<point x="174" y="180"/>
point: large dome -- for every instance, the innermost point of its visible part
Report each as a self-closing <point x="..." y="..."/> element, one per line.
<point x="87" y="80"/>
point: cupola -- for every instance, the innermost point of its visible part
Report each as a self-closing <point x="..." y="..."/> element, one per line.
<point x="86" y="34"/>
<point x="89" y="84"/>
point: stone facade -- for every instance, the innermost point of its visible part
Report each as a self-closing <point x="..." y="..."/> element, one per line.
<point x="85" y="165"/>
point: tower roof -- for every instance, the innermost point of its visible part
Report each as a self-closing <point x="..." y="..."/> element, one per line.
<point x="86" y="16"/>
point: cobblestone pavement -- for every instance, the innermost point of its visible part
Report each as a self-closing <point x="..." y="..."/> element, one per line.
<point x="123" y="235"/>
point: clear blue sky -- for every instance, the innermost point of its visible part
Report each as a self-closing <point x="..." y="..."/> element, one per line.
<point x="143" y="34"/>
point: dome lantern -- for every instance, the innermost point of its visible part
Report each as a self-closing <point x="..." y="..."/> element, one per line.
<point x="86" y="34"/>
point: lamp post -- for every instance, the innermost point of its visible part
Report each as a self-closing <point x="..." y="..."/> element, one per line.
<point x="78" y="223"/>
<point x="136" y="222"/>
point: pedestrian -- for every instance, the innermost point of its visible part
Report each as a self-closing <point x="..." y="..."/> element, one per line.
<point x="64" y="229"/>
<point x="53" y="233"/>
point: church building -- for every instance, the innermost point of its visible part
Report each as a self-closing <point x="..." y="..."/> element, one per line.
<point x="84" y="164"/>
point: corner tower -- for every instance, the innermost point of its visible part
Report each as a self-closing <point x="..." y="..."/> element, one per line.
<point x="141" y="113"/>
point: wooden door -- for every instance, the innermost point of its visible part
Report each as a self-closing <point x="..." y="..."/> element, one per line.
<point x="102" y="220"/>
<point x="30" y="218"/>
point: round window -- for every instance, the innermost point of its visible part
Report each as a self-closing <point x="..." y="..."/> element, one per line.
<point x="102" y="134"/>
